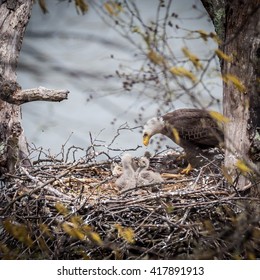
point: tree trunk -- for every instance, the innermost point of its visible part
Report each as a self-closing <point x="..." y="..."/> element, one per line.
<point x="241" y="100"/>
<point x="14" y="16"/>
<point x="242" y="106"/>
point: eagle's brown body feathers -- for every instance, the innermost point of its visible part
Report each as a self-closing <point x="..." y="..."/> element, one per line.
<point x="196" y="132"/>
<point x="194" y="126"/>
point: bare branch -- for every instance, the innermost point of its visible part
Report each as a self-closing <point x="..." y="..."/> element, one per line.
<point x="35" y="94"/>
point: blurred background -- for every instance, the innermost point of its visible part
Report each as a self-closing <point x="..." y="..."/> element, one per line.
<point x="103" y="57"/>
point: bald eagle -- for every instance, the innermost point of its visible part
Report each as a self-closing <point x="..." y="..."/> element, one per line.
<point x="192" y="129"/>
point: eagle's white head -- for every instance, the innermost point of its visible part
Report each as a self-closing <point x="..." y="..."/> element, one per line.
<point x="152" y="127"/>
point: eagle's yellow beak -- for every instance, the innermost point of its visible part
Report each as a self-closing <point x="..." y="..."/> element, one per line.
<point x="146" y="139"/>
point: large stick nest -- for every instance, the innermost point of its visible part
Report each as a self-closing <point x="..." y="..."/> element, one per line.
<point x="75" y="211"/>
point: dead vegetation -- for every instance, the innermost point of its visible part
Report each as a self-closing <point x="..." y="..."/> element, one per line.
<point x="59" y="210"/>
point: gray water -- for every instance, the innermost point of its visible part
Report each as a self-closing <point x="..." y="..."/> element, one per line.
<point x="64" y="50"/>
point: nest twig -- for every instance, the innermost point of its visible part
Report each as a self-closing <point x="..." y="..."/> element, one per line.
<point x="75" y="211"/>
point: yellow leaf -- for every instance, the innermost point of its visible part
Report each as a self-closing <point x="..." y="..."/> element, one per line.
<point x="155" y="58"/>
<point x="169" y="209"/>
<point x="93" y="236"/>
<point x="86" y="228"/>
<point x="78" y="233"/>
<point x="126" y="233"/>
<point x="241" y="165"/>
<point x="219" y="117"/>
<point x="76" y="220"/>
<point x="73" y="232"/>
<point x="18" y="231"/>
<point x="136" y="29"/>
<point x="119" y="228"/>
<point x="109" y="8"/>
<point x="235" y="81"/>
<point x="222" y="55"/>
<point x="146" y="38"/>
<point x="203" y="34"/>
<point x="81" y="5"/>
<point x="251" y="256"/>
<point x="42" y="244"/>
<point x="45" y="229"/>
<point x="176" y="135"/>
<point x="113" y="8"/>
<point x="43" y="6"/>
<point x="215" y="37"/>
<point x="193" y="58"/>
<point x="181" y="71"/>
<point x="118" y="254"/>
<point x="61" y="208"/>
<point x="4" y="250"/>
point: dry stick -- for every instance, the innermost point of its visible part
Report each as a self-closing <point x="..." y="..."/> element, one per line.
<point x="148" y="216"/>
<point x="164" y="195"/>
<point x="40" y="187"/>
<point x="181" y="205"/>
<point x="48" y="188"/>
<point x="155" y="184"/>
<point x="82" y="205"/>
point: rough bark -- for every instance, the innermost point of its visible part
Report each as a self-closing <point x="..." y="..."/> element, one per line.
<point x="14" y="16"/>
<point x="242" y="107"/>
<point x="240" y="34"/>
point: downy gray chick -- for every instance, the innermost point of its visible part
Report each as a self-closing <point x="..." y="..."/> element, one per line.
<point x="128" y="179"/>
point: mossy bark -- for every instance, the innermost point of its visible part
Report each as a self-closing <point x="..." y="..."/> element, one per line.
<point x="217" y="12"/>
